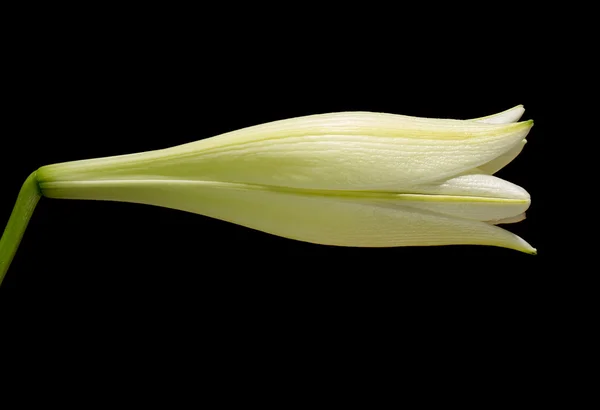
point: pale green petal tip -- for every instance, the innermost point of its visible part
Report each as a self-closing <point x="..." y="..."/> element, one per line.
<point x="526" y="123"/>
<point x="515" y="242"/>
<point x="526" y="247"/>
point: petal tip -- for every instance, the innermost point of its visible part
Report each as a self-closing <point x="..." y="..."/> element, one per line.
<point x="526" y="247"/>
<point x="523" y="128"/>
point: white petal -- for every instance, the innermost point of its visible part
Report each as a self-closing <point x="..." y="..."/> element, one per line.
<point x="510" y="220"/>
<point x="475" y="208"/>
<point x="342" y="220"/>
<point x="503" y="160"/>
<point x="511" y="115"/>
<point x="340" y="151"/>
<point x="481" y="185"/>
<point x="505" y="117"/>
<point x="473" y="196"/>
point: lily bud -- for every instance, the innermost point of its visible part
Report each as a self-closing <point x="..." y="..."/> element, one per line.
<point x="349" y="179"/>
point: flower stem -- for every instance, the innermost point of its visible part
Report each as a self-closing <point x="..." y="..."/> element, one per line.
<point x="26" y="201"/>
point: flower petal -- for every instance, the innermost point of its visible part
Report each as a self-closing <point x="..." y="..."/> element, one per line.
<point x="510" y="220"/>
<point x="346" y="219"/>
<point x="480" y="185"/>
<point x="339" y="151"/>
<point x="505" y="117"/>
<point x="475" y="208"/>
<point x="503" y="160"/>
<point x="511" y="115"/>
<point x="472" y="196"/>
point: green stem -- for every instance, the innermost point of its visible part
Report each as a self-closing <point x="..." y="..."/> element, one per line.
<point x="26" y="201"/>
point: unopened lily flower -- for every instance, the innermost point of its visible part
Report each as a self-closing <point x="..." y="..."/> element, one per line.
<point x="359" y="179"/>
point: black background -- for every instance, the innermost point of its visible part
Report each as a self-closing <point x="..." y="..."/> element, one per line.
<point x="125" y="273"/>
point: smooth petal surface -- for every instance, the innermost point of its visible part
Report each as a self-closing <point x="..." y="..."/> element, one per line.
<point x="347" y="219"/>
<point x="472" y="196"/>
<point x="470" y="184"/>
<point x="503" y="160"/>
<point x="510" y="220"/>
<point x="475" y="208"/>
<point x="505" y="117"/>
<point x="339" y="151"/>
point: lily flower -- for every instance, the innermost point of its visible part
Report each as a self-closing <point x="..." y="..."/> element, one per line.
<point x="359" y="179"/>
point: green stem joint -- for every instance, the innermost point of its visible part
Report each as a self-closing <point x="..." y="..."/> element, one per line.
<point x="27" y="200"/>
